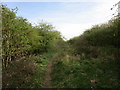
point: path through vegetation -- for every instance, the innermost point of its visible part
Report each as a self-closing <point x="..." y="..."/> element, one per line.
<point x="47" y="82"/>
<point x="90" y="60"/>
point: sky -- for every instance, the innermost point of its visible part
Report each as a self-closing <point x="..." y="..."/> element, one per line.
<point x="71" y="17"/>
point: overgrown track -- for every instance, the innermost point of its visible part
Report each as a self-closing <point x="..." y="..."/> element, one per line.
<point x="47" y="81"/>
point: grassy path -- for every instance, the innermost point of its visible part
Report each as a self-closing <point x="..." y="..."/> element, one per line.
<point x="47" y="81"/>
<point x="48" y="78"/>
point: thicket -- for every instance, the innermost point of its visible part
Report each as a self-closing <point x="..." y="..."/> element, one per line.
<point x="21" y="39"/>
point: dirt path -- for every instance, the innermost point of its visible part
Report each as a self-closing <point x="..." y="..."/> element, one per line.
<point x="47" y="81"/>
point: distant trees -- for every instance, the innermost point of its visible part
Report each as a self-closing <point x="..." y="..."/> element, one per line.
<point x="20" y="38"/>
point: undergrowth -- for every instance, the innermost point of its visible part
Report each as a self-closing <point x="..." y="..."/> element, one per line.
<point x="27" y="72"/>
<point x="72" y="71"/>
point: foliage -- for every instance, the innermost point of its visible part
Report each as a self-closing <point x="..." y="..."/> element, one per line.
<point x="20" y="38"/>
<point x="98" y="37"/>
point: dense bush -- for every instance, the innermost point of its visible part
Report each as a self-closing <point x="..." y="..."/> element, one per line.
<point x="20" y="38"/>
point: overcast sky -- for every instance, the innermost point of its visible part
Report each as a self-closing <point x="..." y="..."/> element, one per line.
<point x="70" y="17"/>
